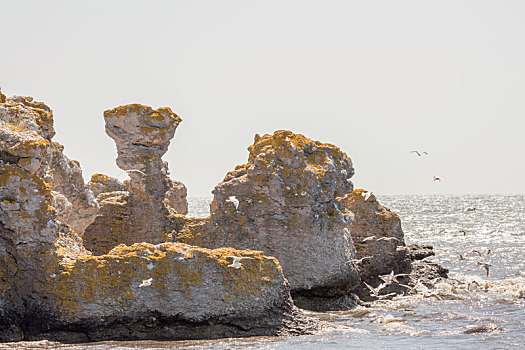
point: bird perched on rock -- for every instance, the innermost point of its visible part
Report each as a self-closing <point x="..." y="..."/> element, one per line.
<point x="136" y="171"/>
<point x="234" y="201"/>
<point x="237" y="261"/>
<point x="360" y="261"/>
<point x="146" y="283"/>
<point x="388" y="239"/>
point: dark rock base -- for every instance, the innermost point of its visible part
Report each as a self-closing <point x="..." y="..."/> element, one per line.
<point x="155" y="327"/>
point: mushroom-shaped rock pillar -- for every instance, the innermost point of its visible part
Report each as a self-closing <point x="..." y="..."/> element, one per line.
<point x="142" y="135"/>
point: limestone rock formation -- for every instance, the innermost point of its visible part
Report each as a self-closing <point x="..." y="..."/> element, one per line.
<point x="165" y="289"/>
<point x="120" y="260"/>
<point x="142" y="136"/>
<point x="377" y="235"/>
<point x="26" y="129"/>
<point x="283" y="202"/>
<point x="52" y="287"/>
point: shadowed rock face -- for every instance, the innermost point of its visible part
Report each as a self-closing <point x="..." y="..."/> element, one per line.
<point x="377" y="234"/>
<point x="284" y="204"/>
<point x="176" y="198"/>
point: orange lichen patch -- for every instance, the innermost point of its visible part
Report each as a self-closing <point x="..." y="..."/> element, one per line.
<point x="159" y="115"/>
<point x="31" y="113"/>
<point x="193" y="231"/>
<point x="239" y="171"/>
<point x="99" y="178"/>
<point x="29" y="147"/>
<point x="15" y="125"/>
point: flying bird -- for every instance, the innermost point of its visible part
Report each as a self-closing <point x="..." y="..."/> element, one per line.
<point x="234" y="201"/>
<point x="460" y="257"/>
<point x="419" y="153"/>
<point x="375" y="291"/>
<point x="485" y="266"/>
<point x="388" y="279"/>
<point x="437" y="179"/>
<point x="476" y="252"/>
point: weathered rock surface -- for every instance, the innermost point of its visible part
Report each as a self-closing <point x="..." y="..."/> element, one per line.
<point x="26" y="129"/>
<point x="101" y="183"/>
<point x="283" y="202"/>
<point x="170" y="290"/>
<point x="125" y="218"/>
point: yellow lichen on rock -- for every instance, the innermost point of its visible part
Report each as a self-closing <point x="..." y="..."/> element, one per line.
<point x="161" y="276"/>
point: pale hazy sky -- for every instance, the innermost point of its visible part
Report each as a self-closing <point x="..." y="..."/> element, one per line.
<point x="376" y="78"/>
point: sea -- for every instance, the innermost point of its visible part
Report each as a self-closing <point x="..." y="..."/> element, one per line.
<point x="475" y="312"/>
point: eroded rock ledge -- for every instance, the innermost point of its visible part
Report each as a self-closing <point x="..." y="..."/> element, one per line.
<point x="120" y="260"/>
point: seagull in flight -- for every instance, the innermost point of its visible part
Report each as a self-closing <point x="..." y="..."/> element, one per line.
<point x="437" y="179"/>
<point x="388" y="279"/>
<point x="375" y="291"/>
<point x="476" y="252"/>
<point x="419" y="154"/>
<point x="485" y="266"/>
<point x="234" y="201"/>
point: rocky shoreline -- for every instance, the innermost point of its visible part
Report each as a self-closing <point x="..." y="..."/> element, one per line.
<point x="112" y="260"/>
